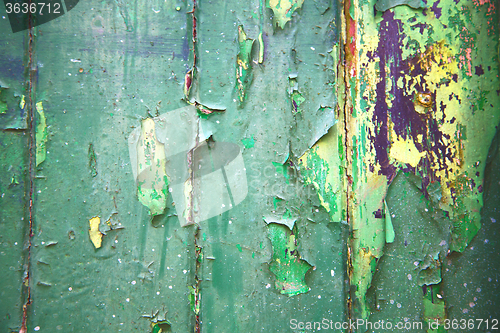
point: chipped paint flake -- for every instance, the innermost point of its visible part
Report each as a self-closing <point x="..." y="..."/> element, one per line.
<point x="243" y="64"/>
<point x="94" y="233"/>
<point x="41" y="135"/>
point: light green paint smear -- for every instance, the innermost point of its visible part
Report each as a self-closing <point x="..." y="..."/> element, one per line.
<point x="243" y="64"/>
<point x="248" y="142"/>
<point x="286" y="264"/>
<point x="389" y="229"/>
<point x="283" y="10"/>
<point x="41" y="135"/>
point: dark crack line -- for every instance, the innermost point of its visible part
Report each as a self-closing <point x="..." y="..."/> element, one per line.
<point x="31" y="168"/>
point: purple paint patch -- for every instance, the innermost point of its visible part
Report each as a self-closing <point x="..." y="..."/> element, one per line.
<point x="407" y="123"/>
<point x="479" y="70"/>
<point x="436" y="10"/>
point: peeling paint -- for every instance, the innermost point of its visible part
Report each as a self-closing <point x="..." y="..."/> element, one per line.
<point x="41" y="135"/>
<point x="283" y="10"/>
<point x="94" y="233"/>
<point x="414" y="91"/>
<point x="286" y="264"/>
<point x="151" y="175"/>
<point x="383" y="5"/>
<point x="244" y="74"/>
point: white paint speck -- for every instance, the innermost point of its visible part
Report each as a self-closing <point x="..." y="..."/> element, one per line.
<point x="268" y="286"/>
<point x="157" y="293"/>
<point x="70" y="289"/>
<point x="312" y="48"/>
<point x="169" y="287"/>
<point x="37" y="328"/>
<point x="128" y="299"/>
<point x="332" y="272"/>
<point x="184" y="271"/>
<point x="116" y="241"/>
<point x="134" y="282"/>
<point x="319" y="296"/>
<point x="409" y="277"/>
<point x="153" y="250"/>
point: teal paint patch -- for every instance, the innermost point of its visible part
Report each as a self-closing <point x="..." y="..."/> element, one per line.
<point x="248" y="142"/>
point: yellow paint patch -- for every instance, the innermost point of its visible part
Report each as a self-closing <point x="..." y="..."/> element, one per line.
<point x="94" y="233"/>
<point x="405" y="151"/>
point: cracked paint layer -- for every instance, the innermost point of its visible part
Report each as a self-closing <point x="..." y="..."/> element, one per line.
<point x="243" y="64"/>
<point x="41" y="135"/>
<point x="283" y="10"/>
